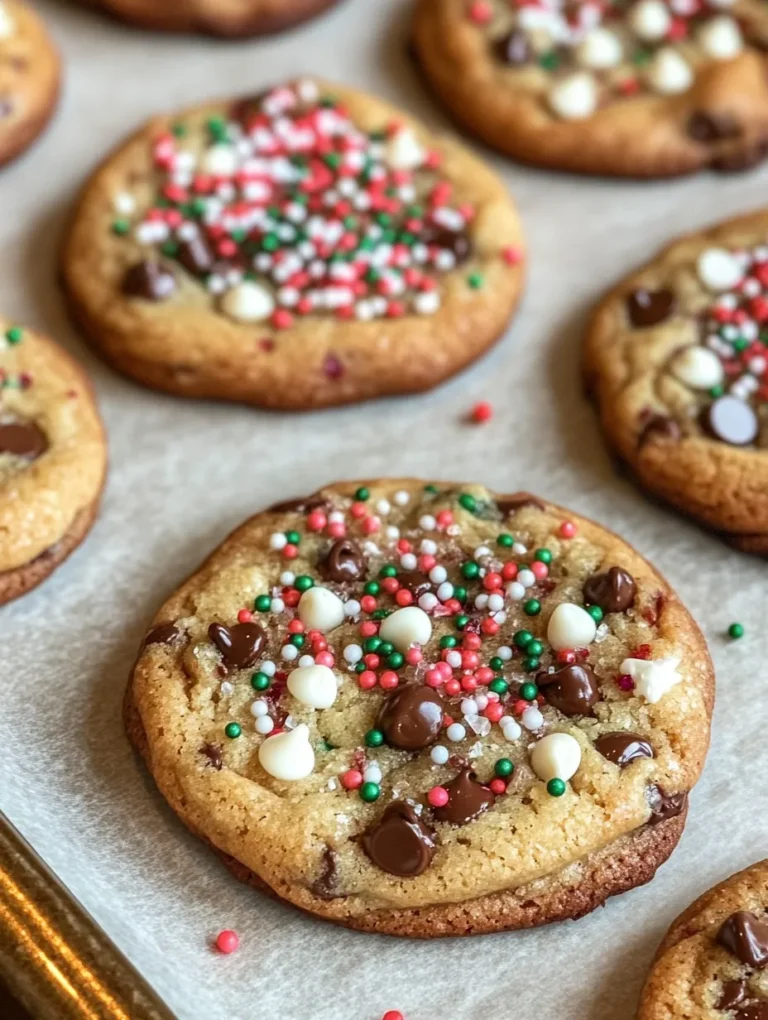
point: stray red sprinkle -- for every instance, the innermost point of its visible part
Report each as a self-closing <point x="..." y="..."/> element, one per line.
<point x="481" y="412"/>
<point x="227" y="941"/>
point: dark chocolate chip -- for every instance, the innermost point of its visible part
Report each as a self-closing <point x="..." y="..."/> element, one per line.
<point x="415" y="582"/>
<point x="399" y="842"/>
<point x="572" y="690"/>
<point x="712" y="127"/>
<point x="151" y="281"/>
<point x="516" y="501"/>
<point x="623" y="748"/>
<point x="514" y="48"/>
<point x="752" y="1011"/>
<point x="466" y="799"/>
<point x="745" y="936"/>
<point x="163" y="634"/>
<point x="326" y="885"/>
<point x="196" y="256"/>
<point x="239" y="645"/>
<point x="614" y="591"/>
<point x="731" y="420"/>
<point x="733" y="993"/>
<point x="648" y="307"/>
<point x="665" y="805"/>
<point x="660" y="427"/>
<point x="22" y="439"/>
<point x="213" y="754"/>
<point x="411" y="718"/>
<point x="302" y="505"/>
<point x="344" y="562"/>
<point x="455" y="241"/>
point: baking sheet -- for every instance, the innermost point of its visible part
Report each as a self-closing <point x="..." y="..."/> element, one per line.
<point x="184" y="474"/>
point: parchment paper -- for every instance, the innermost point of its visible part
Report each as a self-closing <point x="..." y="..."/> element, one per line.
<point x="184" y="474"/>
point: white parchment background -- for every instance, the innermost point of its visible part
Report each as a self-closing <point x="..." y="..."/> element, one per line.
<point x="184" y="474"/>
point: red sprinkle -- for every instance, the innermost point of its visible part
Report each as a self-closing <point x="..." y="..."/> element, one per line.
<point x="393" y="1014"/>
<point x="512" y="255"/>
<point x="244" y="616"/>
<point x="498" y="786"/>
<point x="567" y="529"/>
<point x="351" y="779"/>
<point x="625" y="682"/>
<point x="438" y="796"/>
<point x="227" y="941"/>
<point x="482" y="412"/>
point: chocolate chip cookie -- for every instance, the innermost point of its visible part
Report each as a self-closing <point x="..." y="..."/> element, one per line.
<point x="713" y="963"/>
<point x="641" y="88"/>
<point x="52" y="458"/>
<point x="306" y="247"/>
<point x="215" y="17"/>
<point x="29" y="78"/>
<point x="677" y="361"/>
<point x="425" y="709"/>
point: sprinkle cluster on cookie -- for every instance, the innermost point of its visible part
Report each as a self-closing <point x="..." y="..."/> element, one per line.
<point x="440" y="645"/>
<point x="21" y="441"/>
<point x="285" y="208"/>
<point x="592" y="52"/>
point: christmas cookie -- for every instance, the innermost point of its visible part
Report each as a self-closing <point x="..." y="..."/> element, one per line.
<point x="427" y="709"/>
<point x="713" y="963"/>
<point x="644" y="88"/>
<point x="677" y="360"/>
<point x="309" y="246"/>
<point x="52" y="458"/>
<point x="216" y="17"/>
<point x="29" y="78"/>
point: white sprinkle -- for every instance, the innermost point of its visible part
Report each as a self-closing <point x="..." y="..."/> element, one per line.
<point x="226" y="688"/>
<point x="259" y="708"/>
<point x="264" y="725"/>
<point x="277" y="605"/>
<point x="428" y="547"/>
<point x="268" y="668"/>
<point x="353" y="653"/>
<point x="289" y="653"/>
<point x="278" y="541"/>
<point x="504" y="652"/>
<point x="372" y="774"/>
<point x="401" y="497"/>
<point x="456" y="732"/>
<point x="469" y="706"/>
<point x="453" y="659"/>
<point x="352" y="608"/>
<point x="510" y="728"/>
<point x="428" y="602"/>
<point x="481" y="552"/>
<point x="516" y="591"/>
<point x="287" y="578"/>
<point x="427" y="523"/>
<point x="445" y="591"/>
<point x="519" y="549"/>
<point x="532" y="718"/>
<point x="495" y="603"/>
<point x="408" y="561"/>
<point x="383" y="506"/>
<point x="307" y="660"/>
<point x="438" y="574"/>
<point x="439" y="754"/>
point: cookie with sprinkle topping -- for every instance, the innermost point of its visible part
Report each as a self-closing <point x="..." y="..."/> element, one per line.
<point x="308" y="246"/>
<point x="233" y="18"/>
<point x="677" y="362"/>
<point x="381" y="702"/>
<point x="713" y="962"/>
<point x="639" y="88"/>
<point x="52" y="458"/>
<point x="29" y="78"/>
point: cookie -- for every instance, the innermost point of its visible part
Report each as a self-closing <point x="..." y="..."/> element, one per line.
<point x="426" y="709"/>
<point x="306" y="247"/>
<point x="648" y="88"/>
<point x="713" y="963"/>
<point x="52" y="458"/>
<point x="29" y="78"/>
<point x="215" y="17"/>
<point x="677" y="361"/>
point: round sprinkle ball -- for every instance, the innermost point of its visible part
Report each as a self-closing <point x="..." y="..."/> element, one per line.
<point x="736" y="631"/>
<point x="556" y="787"/>
<point x="227" y="941"/>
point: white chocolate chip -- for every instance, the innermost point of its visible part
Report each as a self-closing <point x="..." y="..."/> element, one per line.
<point x="319" y="609"/>
<point x="570" y="626"/>
<point x="219" y="161"/>
<point x="406" y="627"/>
<point x="669" y="73"/>
<point x="600" y="49"/>
<point x="650" y="20"/>
<point x="248" y="302"/>
<point x="313" y="685"/>
<point x="719" y="270"/>
<point x="405" y="151"/>
<point x="575" y="97"/>
<point x="697" y="367"/>
<point x="288" y="755"/>
<point x="556" y="756"/>
<point x="653" y="678"/>
<point x="721" y="38"/>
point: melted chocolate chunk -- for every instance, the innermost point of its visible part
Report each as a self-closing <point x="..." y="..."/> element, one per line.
<point x="455" y="241"/>
<point x="415" y="582"/>
<point x="752" y="1011"/>
<point x="22" y="439"/>
<point x="239" y="645"/>
<point x="665" y="805"/>
<point x="163" y="634"/>
<point x="150" y="281"/>
<point x="302" y="505"/>
<point x="326" y="886"/>
<point x="517" y="500"/>
<point x="196" y="256"/>
<point x="648" y="307"/>
<point x="731" y="420"/>
<point x="514" y="48"/>
<point x="745" y="936"/>
<point x="623" y="748"/>
<point x="213" y="754"/>
<point x="345" y="562"/>
<point x="399" y="842"/>
<point x="411" y="718"/>
<point x="614" y="591"/>
<point x="660" y="426"/>
<point x="733" y="993"/>
<point x="466" y="799"/>
<point x="712" y="127"/>
<point x="572" y="690"/>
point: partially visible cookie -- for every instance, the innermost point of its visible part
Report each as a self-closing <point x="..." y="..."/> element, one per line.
<point x="52" y="458"/>
<point x="304" y="247"/>
<point x="215" y="17"/>
<point x="29" y="78"/>
<point x="427" y="709"/>
<point x="713" y="963"/>
<point x="677" y="360"/>
<point x="641" y="88"/>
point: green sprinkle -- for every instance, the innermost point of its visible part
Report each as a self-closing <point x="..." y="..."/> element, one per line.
<point x="529" y="692"/>
<point x="372" y="644"/>
<point x="549" y="61"/>
<point x="297" y="640"/>
<point x="293" y="537"/>
<point x="532" y="607"/>
<point x="386" y="648"/>
<point x="388" y="570"/>
<point x="498" y="685"/>
<point x="468" y="502"/>
<point x="496" y="663"/>
<point x="432" y="489"/>
<point x="475" y="280"/>
<point x="736" y="631"/>
<point x="504" y="768"/>
<point x="396" y="660"/>
<point x="374" y="738"/>
<point x="179" y="130"/>
<point x="362" y="494"/>
<point x="303" y="582"/>
<point x="596" y="613"/>
<point x="260" y="681"/>
<point x="470" y="570"/>
<point x="716" y="391"/>
<point x="543" y="556"/>
<point x="556" y="787"/>
<point x="14" y="335"/>
<point x="530" y="664"/>
<point x="121" y="227"/>
<point x="233" y="730"/>
<point x="381" y="614"/>
<point x="360" y="667"/>
<point x="449" y="641"/>
<point x="505" y="540"/>
<point x="369" y="792"/>
<point x="372" y="588"/>
<point x="535" y="647"/>
<point x="461" y="621"/>
<point x="460" y="594"/>
<point x="522" y="638"/>
<point x="262" y="604"/>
